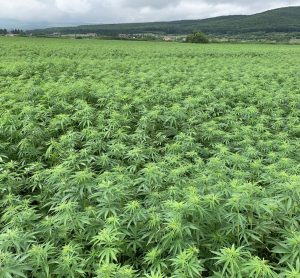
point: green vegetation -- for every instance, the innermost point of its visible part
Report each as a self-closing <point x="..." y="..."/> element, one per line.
<point x="138" y="159"/>
<point x="197" y="37"/>
<point x="17" y="32"/>
<point x="3" y="31"/>
<point x="283" y="20"/>
<point x="258" y="37"/>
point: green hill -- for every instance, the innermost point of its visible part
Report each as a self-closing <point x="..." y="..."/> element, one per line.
<point x="278" y="20"/>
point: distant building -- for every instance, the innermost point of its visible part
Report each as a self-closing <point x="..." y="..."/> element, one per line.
<point x="139" y="36"/>
<point x="294" y="41"/>
<point x="174" y="38"/>
<point x="167" y="39"/>
<point x="88" y="35"/>
<point x="91" y="35"/>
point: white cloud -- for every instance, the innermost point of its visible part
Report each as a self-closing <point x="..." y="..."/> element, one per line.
<point x="73" y="6"/>
<point x="114" y="11"/>
<point x="156" y="4"/>
<point x="24" y="10"/>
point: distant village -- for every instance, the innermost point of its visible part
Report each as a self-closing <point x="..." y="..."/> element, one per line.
<point x="139" y="36"/>
<point x="154" y="37"/>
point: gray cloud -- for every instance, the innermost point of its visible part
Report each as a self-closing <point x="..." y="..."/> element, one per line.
<point x="114" y="11"/>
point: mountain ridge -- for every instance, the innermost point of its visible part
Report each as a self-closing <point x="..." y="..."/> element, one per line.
<point x="285" y="19"/>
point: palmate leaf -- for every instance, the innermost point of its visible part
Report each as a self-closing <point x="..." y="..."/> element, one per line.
<point x="111" y="270"/>
<point x="232" y="260"/>
<point x="11" y="266"/>
<point x="186" y="264"/>
<point x="108" y="254"/>
<point x="289" y="248"/>
<point x="70" y="263"/>
<point x="257" y="267"/>
<point x="293" y="271"/>
<point x="40" y="255"/>
<point x="154" y="261"/>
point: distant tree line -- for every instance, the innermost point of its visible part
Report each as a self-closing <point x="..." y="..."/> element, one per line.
<point x="17" y="32"/>
<point x="3" y="32"/>
<point x="13" y="31"/>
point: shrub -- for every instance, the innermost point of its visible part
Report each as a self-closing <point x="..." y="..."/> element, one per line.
<point x="197" y="37"/>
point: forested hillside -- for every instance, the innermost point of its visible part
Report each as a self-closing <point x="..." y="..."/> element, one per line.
<point x="278" y="20"/>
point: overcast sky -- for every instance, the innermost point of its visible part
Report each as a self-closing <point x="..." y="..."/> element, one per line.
<point x="115" y="11"/>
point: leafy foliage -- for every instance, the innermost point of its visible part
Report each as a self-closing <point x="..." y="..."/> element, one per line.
<point x="197" y="37"/>
<point x="122" y="159"/>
